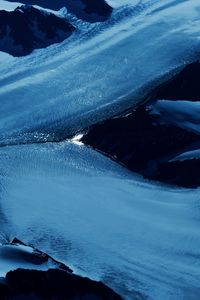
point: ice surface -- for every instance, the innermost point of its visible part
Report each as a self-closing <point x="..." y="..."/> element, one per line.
<point x="104" y="221"/>
<point x="184" y="114"/>
<point x="9" y="6"/>
<point x="193" y="154"/>
<point x="14" y="257"/>
<point x="72" y="202"/>
<point x="84" y="76"/>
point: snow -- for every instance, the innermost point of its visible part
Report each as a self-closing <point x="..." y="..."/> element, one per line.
<point x="72" y="202"/>
<point x="13" y="257"/>
<point x="5" y="57"/>
<point x="107" y="223"/>
<point x="9" y="6"/>
<point x="184" y="114"/>
<point x="118" y="3"/>
<point x="193" y="154"/>
<point x="82" y="76"/>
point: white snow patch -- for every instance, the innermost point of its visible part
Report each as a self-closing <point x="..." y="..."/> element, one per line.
<point x="77" y="139"/>
<point x="182" y="113"/>
<point x="193" y="154"/>
<point x="8" y="6"/>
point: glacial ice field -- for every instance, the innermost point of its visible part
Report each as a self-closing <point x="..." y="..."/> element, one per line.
<point x="139" y="237"/>
<point x="97" y="71"/>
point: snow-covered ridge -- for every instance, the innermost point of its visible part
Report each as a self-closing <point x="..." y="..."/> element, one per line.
<point x="8" y="6"/>
<point x="39" y="275"/>
<point x="91" y="11"/>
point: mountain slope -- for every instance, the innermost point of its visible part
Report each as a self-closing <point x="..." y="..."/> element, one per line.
<point x="89" y="10"/>
<point x="27" y="28"/>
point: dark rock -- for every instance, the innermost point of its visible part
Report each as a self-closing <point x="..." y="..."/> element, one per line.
<point x="52" y="284"/>
<point x="56" y="283"/>
<point x="184" y="86"/>
<point x="139" y="142"/>
<point x="37" y="257"/>
<point x="16" y="241"/>
<point x="137" y="139"/>
<point x="183" y="173"/>
<point x="27" y="28"/>
<point x="88" y="10"/>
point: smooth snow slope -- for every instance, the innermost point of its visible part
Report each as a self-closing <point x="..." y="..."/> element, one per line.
<point x="106" y="223"/>
<point x="79" y="79"/>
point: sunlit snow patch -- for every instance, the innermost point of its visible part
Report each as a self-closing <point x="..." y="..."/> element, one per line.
<point x="77" y="139"/>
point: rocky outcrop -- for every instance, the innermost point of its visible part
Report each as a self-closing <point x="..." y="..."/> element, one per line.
<point x="57" y="282"/>
<point x="30" y="254"/>
<point x="88" y="10"/>
<point x="183" y="86"/>
<point x="147" y="139"/>
<point x="52" y="284"/>
<point x="27" y="28"/>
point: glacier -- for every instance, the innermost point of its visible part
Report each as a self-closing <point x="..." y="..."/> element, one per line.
<point x="82" y="76"/>
<point x="139" y="237"/>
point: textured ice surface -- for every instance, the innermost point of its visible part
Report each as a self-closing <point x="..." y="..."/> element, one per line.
<point x="72" y="202"/>
<point x="107" y="223"/>
<point x="83" y="76"/>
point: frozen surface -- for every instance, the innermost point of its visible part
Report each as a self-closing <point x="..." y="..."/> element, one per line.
<point x="72" y="202"/>
<point x="14" y="257"/>
<point x="87" y="211"/>
<point x="184" y="114"/>
<point x="193" y="154"/>
<point x="98" y="67"/>
<point x="9" y="6"/>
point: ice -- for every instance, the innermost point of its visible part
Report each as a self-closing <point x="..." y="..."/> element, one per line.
<point x="193" y="154"/>
<point x="91" y="78"/>
<point x="139" y="237"/>
<point x="184" y="114"/>
<point x="14" y="257"/>
<point x="9" y="6"/>
<point x="118" y="3"/>
<point x="105" y="222"/>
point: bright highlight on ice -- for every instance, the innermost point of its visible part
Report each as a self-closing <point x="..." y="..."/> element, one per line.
<point x="77" y="139"/>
